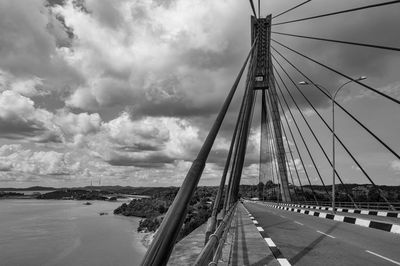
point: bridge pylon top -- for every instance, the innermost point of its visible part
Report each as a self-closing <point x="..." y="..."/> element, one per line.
<point x="261" y="29"/>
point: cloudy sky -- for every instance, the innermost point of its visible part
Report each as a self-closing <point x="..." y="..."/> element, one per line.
<point x="126" y="91"/>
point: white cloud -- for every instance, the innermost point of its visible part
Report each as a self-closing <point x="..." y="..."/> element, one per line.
<point x="25" y="86"/>
<point x="18" y="159"/>
<point x="395" y="165"/>
<point x="74" y="124"/>
<point x="149" y="140"/>
<point x="142" y="53"/>
<point x="29" y="41"/>
<point x="19" y="118"/>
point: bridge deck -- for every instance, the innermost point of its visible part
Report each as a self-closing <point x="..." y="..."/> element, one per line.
<point x="308" y="240"/>
<point x="248" y="247"/>
<point x="244" y="245"/>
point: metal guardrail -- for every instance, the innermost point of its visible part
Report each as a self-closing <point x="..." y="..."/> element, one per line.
<point x="350" y="205"/>
<point x="211" y="252"/>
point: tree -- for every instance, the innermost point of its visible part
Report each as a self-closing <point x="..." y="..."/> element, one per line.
<point x="260" y="188"/>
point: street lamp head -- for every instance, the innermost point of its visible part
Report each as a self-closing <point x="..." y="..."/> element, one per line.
<point x="303" y="83"/>
<point x="362" y="78"/>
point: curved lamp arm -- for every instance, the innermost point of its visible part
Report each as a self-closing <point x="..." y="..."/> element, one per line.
<point x="338" y="89"/>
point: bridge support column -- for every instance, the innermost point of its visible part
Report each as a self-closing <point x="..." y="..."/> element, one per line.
<point x="264" y="80"/>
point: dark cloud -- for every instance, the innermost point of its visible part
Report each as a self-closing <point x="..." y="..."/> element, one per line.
<point x="212" y="60"/>
<point x="176" y="108"/>
<point x="19" y="129"/>
<point x="155" y="160"/>
<point x="141" y="147"/>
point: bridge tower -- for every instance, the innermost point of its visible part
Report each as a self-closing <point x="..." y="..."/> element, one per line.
<point x="264" y="81"/>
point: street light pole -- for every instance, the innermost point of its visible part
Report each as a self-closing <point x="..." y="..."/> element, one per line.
<point x="333" y="97"/>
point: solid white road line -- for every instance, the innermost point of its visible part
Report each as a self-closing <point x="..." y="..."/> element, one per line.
<point x="380" y="256"/>
<point x="298" y="223"/>
<point x="325" y="234"/>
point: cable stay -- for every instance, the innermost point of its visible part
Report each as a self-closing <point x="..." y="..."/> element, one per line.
<point x="236" y="159"/>
<point x="338" y="12"/>
<point x="213" y="223"/>
<point x="252" y="8"/>
<point x="274" y="150"/>
<point x="302" y="137"/>
<point x="309" y="127"/>
<point x="330" y="129"/>
<point x="339" y="41"/>
<point x="294" y="164"/>
<point x="291" y="177"/>
<point x="290" y="9"/>
<point x="339" y="73"/>
<point x="290" y="170"/>
<point x="297" y="150"/>
<point x="270" y="139"/>
<point x="274" y="163"/>
<point x="354" y="118"/>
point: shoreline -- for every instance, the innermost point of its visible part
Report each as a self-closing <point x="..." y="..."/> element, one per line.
<point x="146" y="238"/>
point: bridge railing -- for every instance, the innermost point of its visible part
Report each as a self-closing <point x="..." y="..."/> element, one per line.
<point x="211" y="252"/>
<point x="350" y="205"/>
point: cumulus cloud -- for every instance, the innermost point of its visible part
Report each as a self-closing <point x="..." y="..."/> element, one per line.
<point x="150" y="141"/>
<point x="19" y="118"/>
<point x="28" y="87"/>
<point x="16" y="158"/>
<point x="29" y="44"/>
<point x="395" y="165"/>
<point x="131" y="87"/>
<point x="74" y="124"/>
<point x="155" y="57"/>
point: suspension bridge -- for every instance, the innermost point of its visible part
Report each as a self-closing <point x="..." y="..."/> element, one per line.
<point x="299" y="220"/>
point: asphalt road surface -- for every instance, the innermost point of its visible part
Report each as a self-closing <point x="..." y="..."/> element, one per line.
<point x="307" y="240"/>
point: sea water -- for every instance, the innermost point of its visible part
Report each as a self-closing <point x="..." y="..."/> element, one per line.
<point x="66" y="232"/>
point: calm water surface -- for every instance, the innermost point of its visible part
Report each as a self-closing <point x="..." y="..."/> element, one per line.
<point x="56" y="232"/>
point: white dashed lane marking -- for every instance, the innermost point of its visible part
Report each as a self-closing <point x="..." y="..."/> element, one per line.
<point x="325" y="234"/>
<point x="298" y="223"/>
<point x="383" y="257"/>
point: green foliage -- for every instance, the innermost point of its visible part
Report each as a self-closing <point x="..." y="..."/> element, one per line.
<point x="199" y="209"/>
<point x="78" y="194"/>
<point x="149" y="224"/>
<point x="146" y="208"/>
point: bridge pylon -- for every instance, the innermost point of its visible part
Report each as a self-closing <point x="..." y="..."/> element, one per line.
<point x="264" y="81"/>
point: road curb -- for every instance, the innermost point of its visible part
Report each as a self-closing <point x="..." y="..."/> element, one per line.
<point x="388" y="227"/>
<point x="349" y="210"/>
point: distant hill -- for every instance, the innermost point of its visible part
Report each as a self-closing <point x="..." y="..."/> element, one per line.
<point x="35" y="188"/>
